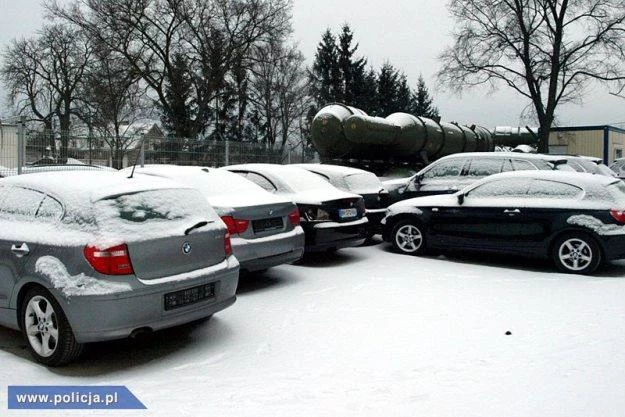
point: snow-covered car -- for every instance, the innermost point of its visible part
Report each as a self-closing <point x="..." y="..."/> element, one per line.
<point x="576" y="219"/>
<point x="589" y="164"/>
<point x="618" y="167"/>
<point x="35" y="169"/>
<point x="454" y="172"/>
<point x="357" y="181"/>
<point x="264" y="228"/>
<point x="101" y="256"/>
<point x="331" y="218"/>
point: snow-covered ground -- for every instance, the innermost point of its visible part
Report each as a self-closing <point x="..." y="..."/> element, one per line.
<point x="367" y="332"/>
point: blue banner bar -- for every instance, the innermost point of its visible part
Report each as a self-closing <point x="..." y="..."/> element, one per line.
<point x="83" y="397"/>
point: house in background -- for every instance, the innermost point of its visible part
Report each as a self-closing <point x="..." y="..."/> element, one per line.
<point x="604" y="141"/>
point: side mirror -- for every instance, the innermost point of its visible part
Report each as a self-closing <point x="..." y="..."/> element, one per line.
<point x="460" y="198"/>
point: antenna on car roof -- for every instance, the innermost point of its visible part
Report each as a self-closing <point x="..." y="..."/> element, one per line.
<point x="137" y="159"/>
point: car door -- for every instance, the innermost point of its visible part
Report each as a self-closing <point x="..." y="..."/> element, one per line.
<point x="488" y="218"/>
<point x="18" y="233"/>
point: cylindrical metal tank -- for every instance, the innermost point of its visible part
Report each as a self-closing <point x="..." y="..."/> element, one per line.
<point x="345" y="132"/>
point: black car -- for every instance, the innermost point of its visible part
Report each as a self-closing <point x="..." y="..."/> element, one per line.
<point x="331" y="218"/>
<point x="357" y="181"/>
<point x="573" y="218"/>
<point x="454" y="172"/>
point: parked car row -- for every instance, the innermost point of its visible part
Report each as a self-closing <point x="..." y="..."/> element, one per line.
<point x="108" y="255"/>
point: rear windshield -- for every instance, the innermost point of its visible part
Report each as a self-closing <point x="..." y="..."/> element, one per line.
<point x="301" y="180"/>
<point x="218" y="183"/>
<point x="157" y="213"/>
<point x="365" y="181"/>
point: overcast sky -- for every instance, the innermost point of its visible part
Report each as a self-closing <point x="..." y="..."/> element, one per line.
<point x="409" y="34"/>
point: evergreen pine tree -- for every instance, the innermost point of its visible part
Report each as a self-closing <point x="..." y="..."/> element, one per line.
<point x="325" y="73"/>
<point x="387" y="90"/>
<point x="423" y="102"/>
<point x="352" y="70"/>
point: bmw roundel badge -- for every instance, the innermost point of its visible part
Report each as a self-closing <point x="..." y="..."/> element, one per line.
<point x="186" y="248"/>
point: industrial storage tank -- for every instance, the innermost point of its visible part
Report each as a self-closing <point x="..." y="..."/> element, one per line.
<point x="341" y="132"/>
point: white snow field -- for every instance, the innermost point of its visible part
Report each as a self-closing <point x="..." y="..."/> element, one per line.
<point x="366" y="332"/>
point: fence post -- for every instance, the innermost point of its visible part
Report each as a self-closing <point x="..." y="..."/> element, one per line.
<point x="142" y="153"/>
<point x="227" y="156"/>
<point x="21" y="144"/>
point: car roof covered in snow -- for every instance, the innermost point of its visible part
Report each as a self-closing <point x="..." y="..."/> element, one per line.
<point x="221" y="188"/>
<point x="333" y="169"/>
<point x="580" y="179"/>
<point x="92" y="185"/>
<point x="516" y="155"/>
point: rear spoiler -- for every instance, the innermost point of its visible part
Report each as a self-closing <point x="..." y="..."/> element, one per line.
<point x="557" y="162"/>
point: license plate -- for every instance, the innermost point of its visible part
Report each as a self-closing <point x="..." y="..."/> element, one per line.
<point x="263" y="225"/>
<point x="347" y="213"/>
<point x="189" y="296"/>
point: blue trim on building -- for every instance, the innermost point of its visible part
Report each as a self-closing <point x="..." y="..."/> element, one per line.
<point x="606" y="144"/>
<point x="586" y="128"/>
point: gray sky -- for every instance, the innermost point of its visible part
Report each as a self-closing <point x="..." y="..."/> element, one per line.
<point x="407" y="33"/>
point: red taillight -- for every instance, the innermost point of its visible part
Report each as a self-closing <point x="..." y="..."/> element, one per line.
<point x="227" y="245"/>
<point x="619" y="215"/>
<point x="294" y="217"/>
<point x="110" y="261"/>
<point x="235" y="226"/>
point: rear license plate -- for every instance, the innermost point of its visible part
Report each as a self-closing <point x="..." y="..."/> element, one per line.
<point x="347" y="213"/>
<point x="263" y="225"/>
<point x="189" y="296"/>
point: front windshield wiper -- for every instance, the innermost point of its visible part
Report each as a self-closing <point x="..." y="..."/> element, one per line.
<point x="195" y="226"/>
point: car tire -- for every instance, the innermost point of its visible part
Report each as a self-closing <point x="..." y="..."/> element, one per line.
<point x="576" y="253"/>
<point x="46" y="330"/>
<point x="408" y="237"/>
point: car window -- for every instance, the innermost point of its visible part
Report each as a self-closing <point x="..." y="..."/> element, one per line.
<point x="449" y="168"/>
<point x="507" y="166"/>
<point x="20" y="202"/>
<point x="521" y="165"/>
<point x="553" y="189"/>
<point x="484" y="167"/>
<point x="50" y="209"/>
<point x="501" y="189"/>
<point x="576" y="166"/>
<point x="261" y="181"/>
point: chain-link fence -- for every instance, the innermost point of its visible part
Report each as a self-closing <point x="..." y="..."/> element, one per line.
<point x="64" y="150"/>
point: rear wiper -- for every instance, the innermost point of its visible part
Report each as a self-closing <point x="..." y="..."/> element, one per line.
<point x="196" y="226"/>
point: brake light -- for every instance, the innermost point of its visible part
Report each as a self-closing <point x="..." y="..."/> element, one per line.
<point x="294" y="217"/>
<point x="235" y="226"/>
<point x="227" y="245"/>
<point x="619" y="215"/>
<point x="110" y="261"/>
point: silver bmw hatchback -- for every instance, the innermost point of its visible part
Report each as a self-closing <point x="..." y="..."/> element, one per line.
<point x="265" y="228"/>
<point x="100" y="256"/>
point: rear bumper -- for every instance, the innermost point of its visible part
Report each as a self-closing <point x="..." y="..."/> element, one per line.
<point x="266" y="252"/>
<point x="114" y="316"/>
<point x="332" y="235"/>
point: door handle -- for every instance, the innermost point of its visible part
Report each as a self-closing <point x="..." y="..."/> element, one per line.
<point x="512" y="212"/>
<point x="21" y="250"/>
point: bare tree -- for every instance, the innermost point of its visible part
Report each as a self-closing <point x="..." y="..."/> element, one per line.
<point x="44" y="74"/>
<point x="545" y="50"/>
<point x="112" y="100"/>
<point x="278" y="90"/>
<point x="211" y="34"/>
